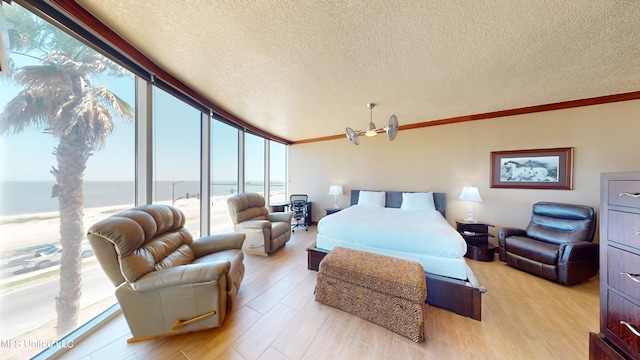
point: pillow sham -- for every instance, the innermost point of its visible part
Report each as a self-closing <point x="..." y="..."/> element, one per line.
<point x="375" y="199"/>
<point x="420" y="201"/>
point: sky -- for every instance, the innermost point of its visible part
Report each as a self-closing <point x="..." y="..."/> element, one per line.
<point x="28" y="156"/>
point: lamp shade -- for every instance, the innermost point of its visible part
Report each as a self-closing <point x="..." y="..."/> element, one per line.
<point x="335" y="190"/>
<point x="470" y="193"/>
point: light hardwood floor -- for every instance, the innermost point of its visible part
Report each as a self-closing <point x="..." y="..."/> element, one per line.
<point x="276" y="317"/>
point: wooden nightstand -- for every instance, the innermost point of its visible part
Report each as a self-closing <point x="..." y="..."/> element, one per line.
<point x="332" y="210"/>
<point x="477" y="237"/>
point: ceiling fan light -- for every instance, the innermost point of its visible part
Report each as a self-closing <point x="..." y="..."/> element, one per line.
<point x="371" y="130"/>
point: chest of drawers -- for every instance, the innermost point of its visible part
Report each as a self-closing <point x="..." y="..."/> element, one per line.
<point x="619" y="268"/>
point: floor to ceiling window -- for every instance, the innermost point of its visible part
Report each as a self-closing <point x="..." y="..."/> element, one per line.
<point x="67" y="161"/>
<point x="176" y="157"/>
<point x="224" y="174"/>
<point x="254" y="160"/>
<point x="277" y="172"/>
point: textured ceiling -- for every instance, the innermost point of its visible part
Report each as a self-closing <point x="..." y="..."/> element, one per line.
<point x="307" y="69"/>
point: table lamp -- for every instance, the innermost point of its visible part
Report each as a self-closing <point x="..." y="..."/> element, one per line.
<point x="470" y="194"/>
<point x="335" y="190"/>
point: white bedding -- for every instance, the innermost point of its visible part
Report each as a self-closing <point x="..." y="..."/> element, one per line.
<point x="423" y="236"/>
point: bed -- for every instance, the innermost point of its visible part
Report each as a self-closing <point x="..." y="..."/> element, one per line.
<point x="423" y="236"/>
<point x="416" y="231"/>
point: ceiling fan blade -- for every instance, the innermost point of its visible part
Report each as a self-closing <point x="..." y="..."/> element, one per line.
<point x="392" y="128"/>
<point x="352" y="135"/>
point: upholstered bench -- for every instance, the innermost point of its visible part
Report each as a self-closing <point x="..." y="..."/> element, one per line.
<point x="387" y="291"/>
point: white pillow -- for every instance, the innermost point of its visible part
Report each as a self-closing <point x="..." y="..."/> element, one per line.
<point x="420" y="201"/>
<point x="375" y="199"/>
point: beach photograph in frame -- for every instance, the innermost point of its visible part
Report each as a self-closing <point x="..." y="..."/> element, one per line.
<point x="532" y="169"/>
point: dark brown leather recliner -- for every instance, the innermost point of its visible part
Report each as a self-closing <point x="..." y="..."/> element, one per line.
<point x="557" y="244"/>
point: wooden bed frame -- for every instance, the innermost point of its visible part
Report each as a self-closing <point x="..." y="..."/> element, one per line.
<point x="462" y="297"/>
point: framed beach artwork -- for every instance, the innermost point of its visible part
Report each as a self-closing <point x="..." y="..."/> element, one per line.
<point x="533" y="169"/>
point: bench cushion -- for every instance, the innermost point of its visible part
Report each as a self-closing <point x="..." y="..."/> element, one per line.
<point x="386" y="274"/>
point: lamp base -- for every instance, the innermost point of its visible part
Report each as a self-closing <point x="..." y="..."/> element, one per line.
<point x="469" y="218"/>
<point x="336" y="202"/>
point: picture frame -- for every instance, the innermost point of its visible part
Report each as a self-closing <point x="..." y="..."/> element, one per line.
<point x="550" y="169"/>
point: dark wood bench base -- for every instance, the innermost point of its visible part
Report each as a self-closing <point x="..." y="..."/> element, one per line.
<point x="461" y="297"/>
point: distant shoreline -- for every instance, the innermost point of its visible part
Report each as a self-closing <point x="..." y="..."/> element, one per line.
<point x="21" y="230"/>
<point x="47" y="215"/>
<point x="33" y="198"/>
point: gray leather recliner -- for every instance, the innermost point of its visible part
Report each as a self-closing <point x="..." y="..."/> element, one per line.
<point x="166" y="282"/>
<point x="266" y="232"/>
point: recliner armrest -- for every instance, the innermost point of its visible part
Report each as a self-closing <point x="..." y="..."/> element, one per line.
<point x="506" y="232"/>
<point x="253" y="224"/>
<point x="578" y="251"/>
<point x="181" y="275"/>
<point x="280" y="216"/>
<point x="218" y="242"/>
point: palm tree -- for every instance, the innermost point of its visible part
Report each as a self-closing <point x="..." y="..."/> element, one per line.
<point x="59" y="96"/>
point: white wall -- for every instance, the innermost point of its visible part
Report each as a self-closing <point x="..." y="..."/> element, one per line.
<point x="445" y="158"/>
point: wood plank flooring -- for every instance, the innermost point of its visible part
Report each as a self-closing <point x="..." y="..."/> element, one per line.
<point x="276" y="317"/>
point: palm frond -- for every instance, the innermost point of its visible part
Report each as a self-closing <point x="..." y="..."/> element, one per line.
<point x="44" y="79"/>
<point x="86" y="117"/>
<point x="114" y="102"/>
<point x="23" y="111"/>
<point x="25" y="30"/>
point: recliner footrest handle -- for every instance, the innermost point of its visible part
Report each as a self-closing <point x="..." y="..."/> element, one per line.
<point x="179" y="324"/>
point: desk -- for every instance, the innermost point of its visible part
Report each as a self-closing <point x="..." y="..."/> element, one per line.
<point x="279" y="207"/>
<point x="282" y="207"/>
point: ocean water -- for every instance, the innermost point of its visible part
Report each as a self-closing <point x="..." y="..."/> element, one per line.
<point x="29" y="197"/>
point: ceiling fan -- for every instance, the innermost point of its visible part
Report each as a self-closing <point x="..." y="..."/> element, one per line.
<point x="391" y="129"/>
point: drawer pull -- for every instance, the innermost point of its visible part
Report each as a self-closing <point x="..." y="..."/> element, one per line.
<point x="631" y="328"/>
<point x="633" y="195"/>
<point x="634" y="277"/>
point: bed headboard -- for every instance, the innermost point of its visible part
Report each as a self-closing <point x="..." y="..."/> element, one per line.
<point x="393" y="199"/>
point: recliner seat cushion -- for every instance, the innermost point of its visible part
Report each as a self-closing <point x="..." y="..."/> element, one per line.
<point x="539" y="251"/>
